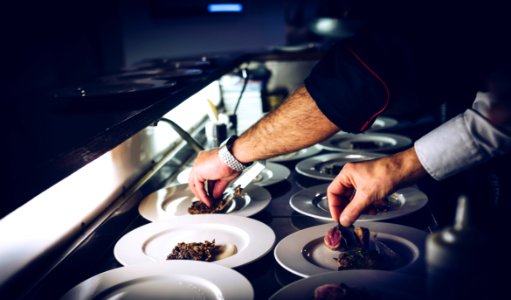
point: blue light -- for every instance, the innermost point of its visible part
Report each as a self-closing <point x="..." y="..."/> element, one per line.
<point x="225" y="7"/>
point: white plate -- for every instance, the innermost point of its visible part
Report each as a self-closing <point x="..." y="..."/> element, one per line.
<point x="317" y="166"/>
<point x="366" y="142"/>
<point x="382" y="284"/>
<point x="154" y="241"/>
<point x="272" y="174"/>
<point x="174" y="201"/>
<point x="312" y="202"/>
<point x="304" y="254"/>
<point x="300" y="154"/>
<point x="383" y="123"/>
<point x="167" y="280"/>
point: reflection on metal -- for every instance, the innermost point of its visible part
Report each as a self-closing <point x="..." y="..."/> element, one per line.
<point x="185" y="135"/>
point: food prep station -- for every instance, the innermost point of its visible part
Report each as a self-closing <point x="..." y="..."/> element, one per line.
<point x="291" y="190"/>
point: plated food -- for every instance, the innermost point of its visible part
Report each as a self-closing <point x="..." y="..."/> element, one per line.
<point x="220" y="205"/>
<point x="313" y="202"/>
<point x="327" y="166"/>
<point x="366" y="142"/>
<point x="176" y="200"/>
<point x="204" y="251"/>
<point x="304" y="252"/>
<point x="245" y="239"/>
<point x="165" y="280"/>
<point x="368" y="284"/>
<point x="360" y="250"/>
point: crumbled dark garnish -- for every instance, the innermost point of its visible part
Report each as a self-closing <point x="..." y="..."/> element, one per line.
<point x="195" y="251"/>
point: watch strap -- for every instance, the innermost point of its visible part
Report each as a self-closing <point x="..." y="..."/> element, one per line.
<point x="225" y="155"/>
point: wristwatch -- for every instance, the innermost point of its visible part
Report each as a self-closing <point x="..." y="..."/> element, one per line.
<point x="225" y="155"/>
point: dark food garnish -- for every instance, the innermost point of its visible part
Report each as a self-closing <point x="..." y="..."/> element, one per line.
<point x="358" y="258"/>
<point x="195" y="251"/>
<point x="219" y="205"/>
<point x="359" y="254"/>
<point x="331" y="169"/>
<point x="373" y="210"/>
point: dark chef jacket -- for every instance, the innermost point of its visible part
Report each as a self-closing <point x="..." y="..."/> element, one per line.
<point x="428" y="52"/>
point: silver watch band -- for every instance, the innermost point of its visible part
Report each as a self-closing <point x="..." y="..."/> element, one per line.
<point x="227" y="158"/>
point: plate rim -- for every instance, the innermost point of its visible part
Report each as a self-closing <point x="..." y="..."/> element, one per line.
<point x="411" y="234"/>
<point x="350" y="277"/>
<point x="296" y="205"/>
<point x="402" y="142"/>
<point x="275" y="168"/>
<point x="251" y="227"/>
<point x="125" y="273"/>
<point x="390" y="122"/>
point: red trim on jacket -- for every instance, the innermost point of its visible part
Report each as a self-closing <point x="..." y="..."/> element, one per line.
<point x="382" y="82"/>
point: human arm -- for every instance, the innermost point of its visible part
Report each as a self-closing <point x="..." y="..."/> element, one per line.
<point x="342" y="92"/>
<point x="297" y="123"/>
<point x="466" y="140"/>
<point x="361" y="184"/>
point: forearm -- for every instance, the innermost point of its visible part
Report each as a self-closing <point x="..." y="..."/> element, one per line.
<point x="295" y="124"/>
<point x="406" y="168"/>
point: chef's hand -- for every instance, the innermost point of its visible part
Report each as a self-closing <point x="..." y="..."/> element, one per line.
<point x="361" y="184"/>
<point x="208" y="168"/>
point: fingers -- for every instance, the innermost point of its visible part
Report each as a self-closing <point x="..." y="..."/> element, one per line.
<point x="338" y="196"/>
<point x="219" y="188"/>
<point x="197" y="186"/>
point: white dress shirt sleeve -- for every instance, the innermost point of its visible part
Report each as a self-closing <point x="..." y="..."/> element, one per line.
<point x="464" y="141"/>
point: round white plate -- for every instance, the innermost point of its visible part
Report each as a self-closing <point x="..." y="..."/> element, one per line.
<point x="304" y="254"/>
<point x="174" y="201"/>
<point x="312" y="202"/>
<point x="324" y="166"/>
<point x="272" y="174"/>
<point x="366" y="142"/>
<point x="382" y="284"/>
<point x="155" y="241"/>
<point x="300" y="154"/>
<point x="383" y="123"/>
<point x="166" y="280"/>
